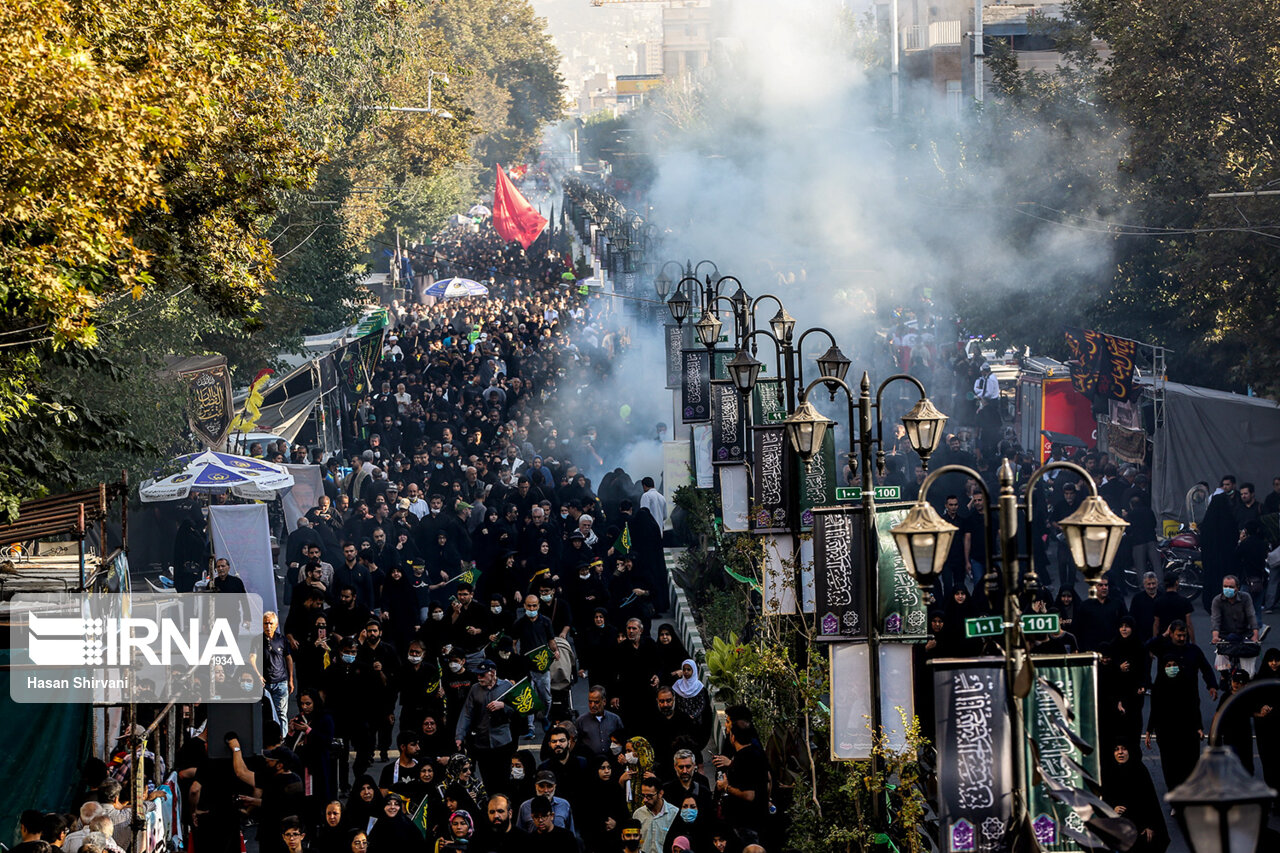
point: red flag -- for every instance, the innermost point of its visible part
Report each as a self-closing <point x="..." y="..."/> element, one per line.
<point x="513" y="217"/>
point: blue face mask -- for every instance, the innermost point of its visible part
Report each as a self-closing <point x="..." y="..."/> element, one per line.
<point x="532" y="614"/>
<point x="1229" y="591"/>
<point x="1172" y="671"/>
<point x="348" y="658"/>
<point x="688" y="815"/>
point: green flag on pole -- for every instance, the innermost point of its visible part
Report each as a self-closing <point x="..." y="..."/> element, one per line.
<point x="470" y="576"/>
<point x="539" y="659"/>
<point x="523" y="697"/>
<point x="421" y="820"/>
<point x="623" y="544"/>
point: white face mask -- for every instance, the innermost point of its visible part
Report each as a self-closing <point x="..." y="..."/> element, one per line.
<point x="633" y="759"/>
<point x="584" y="575"/>
<point x="455" y="667"/>
<point x="415" y="659"/>
<point x="496" y="609"/>
<point x="615" y="748"/>
<point x="437" y="616"/>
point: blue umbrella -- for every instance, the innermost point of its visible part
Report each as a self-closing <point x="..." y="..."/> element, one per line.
<point x="211" y="471"/>
<point x="453" y="288"/>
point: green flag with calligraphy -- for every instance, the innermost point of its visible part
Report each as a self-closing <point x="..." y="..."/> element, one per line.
<point x="539" y="659"/>
<point x="1063" y="684"/>
<point x="421" y="819"/>
<point x="523" y="697"/>
<point x="470" y="576"/>
<point x="901" y="609"/>
<point x="623" y="543"/>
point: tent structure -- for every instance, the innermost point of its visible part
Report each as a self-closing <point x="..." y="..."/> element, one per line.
<point x="1206" y="434"/>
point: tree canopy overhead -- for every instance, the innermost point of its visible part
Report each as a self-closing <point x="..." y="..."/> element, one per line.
<point x="186" y="176"/>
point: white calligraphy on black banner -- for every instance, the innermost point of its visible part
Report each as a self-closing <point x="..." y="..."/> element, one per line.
<point x="839" y="573"/>
<point x="975" y="774"/>
<point x="695" y="396"/>
<point x="675" y="342"/>
<point x="727" y="443"/>
<point x="770" y="473"/>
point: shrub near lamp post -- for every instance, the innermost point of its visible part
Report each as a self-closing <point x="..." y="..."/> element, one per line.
<point x="1093" y="533"/>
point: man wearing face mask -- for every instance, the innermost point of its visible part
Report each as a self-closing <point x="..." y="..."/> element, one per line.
<point x="1233" y="619"/>
<point x="532" y="631"/>
<point x="629" y="835"/>
<point x="485" y="724"/>
<point x="555" y="608"/>
<point x="420" y="689"/>
<point x="345" y="685"/>
<point x="457" y="683"/>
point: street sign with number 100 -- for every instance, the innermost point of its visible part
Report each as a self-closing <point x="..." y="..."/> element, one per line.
<point x="1040" y="623"/>
<point x="882" y="493"/>
<point x="983" y="626"/>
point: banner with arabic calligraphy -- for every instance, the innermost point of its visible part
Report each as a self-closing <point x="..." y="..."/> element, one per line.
<point x="677" y="339"/>
<point x="209" y="406"/>
<point x="975" y="767"/>
<point x="818" y="481"/>
<point x="840" y="579"/>
<point x="728" y="441"/>
<point x="695" y="386"/>
<point x="768" y="406"/>
<point x="1101" y="364"/>
<point x="1076" y="676"/>
<point x="356" y="362"/>
<point x="901" y="609"/>
<point x="770" y="474"/>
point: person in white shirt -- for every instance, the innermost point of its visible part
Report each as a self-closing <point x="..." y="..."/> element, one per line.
<point x="986" y="391"/>
<point x="653" y="501"/>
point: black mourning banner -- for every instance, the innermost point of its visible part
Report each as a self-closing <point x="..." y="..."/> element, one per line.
<point x="839" y="573"/>
<point x="770" y="472"/>
<point x="695" y="395"/>
<point x="975" y="768"/>
<point x="356" y="362"/>
<point x="674" y="337"/>
<point x="209" y="408"/>
<point x="728" y="445"/>
<point x="1102" y="365"/>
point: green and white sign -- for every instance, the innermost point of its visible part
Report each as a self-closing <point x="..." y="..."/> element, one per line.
<point x="983" y="626"/>
<point x="1040" y="623"/>
<point x="882" y="493"/>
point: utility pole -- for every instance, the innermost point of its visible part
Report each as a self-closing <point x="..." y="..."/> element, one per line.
<point x="893" y="57"/>
<point x="977" y="51"/>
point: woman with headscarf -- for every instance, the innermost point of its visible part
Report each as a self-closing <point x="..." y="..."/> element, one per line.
<point x="357" y="841"/>
<point x="1065" y="606"/>
<point x="1266" y="718"/>
<point x="1175" y="719"/>
<point x="1129" y="677"/>
<point x="460" y="771"/>
<point x="601" y="806"/>
<point x="460" y="829"/>
<point x="434" y="634"/>
<point x="956" y="610"/>
<point x="393" y="832"/>
<point x="311" y="738"/>
<point x="671" y="654"/>
<point x="364" y="804"/>
<point x="1237" y="729"/>
<point x="648" y="558"/>
<point x="595" y="646"/>
<point x="1127" y="788"/>
<point x="693" y="699"/>
<point x="442" y="558"/>
<point x="333" y="834"/>
<point x="637" y="762"/>
<point x="399" y="603"/>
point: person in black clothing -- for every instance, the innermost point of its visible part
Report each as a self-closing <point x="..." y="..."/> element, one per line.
<point x="1171" y="606"/>
<point x="546" y="836"/>
<point x="498" y="834"/>
<point x="569" y="769"/>
<point x="1127" y="788"/>
<point x="354" y="573"/>
<point x="379" y="659"/>
<point x="1068" y="504"/>
<point x="348" y="617"/>
<point x="1266" y="718"/>
<point x="344" y="685"/>
<point x="1129" y="674"/>
<point x="280" y="786"/>
<point x="955" y="570"/>
<point x="636" y="670"/>
<point x="1219" y="534"/>
<point x="1140" y="536"/>
<point x="394" y="833"/>
<point x="744" y="788"/>
<point x="1098" y="619"/>
<point x="1142" y="607"/>
<point x="1237" y="729"/>
<point x="1251" y="562"/>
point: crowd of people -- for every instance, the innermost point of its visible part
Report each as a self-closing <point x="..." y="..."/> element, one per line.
<point x="1145" y="637"/>
<point x="471" y="559"/>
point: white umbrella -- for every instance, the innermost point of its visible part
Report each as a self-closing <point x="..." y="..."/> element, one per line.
<point x="455" y="288"/>
<point x="479" y="210"/>
<point x="218" y="472"/>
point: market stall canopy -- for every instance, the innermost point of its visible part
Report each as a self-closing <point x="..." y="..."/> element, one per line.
<point x="455" y="288"/>
<point x="218" y="472"/>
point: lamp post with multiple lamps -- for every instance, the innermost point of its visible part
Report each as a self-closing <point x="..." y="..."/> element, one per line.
<point x="804" y="426"/>
<point x="1093" y="533"/>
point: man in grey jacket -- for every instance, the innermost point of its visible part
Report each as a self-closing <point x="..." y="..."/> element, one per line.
<point x="486" y="719"/>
